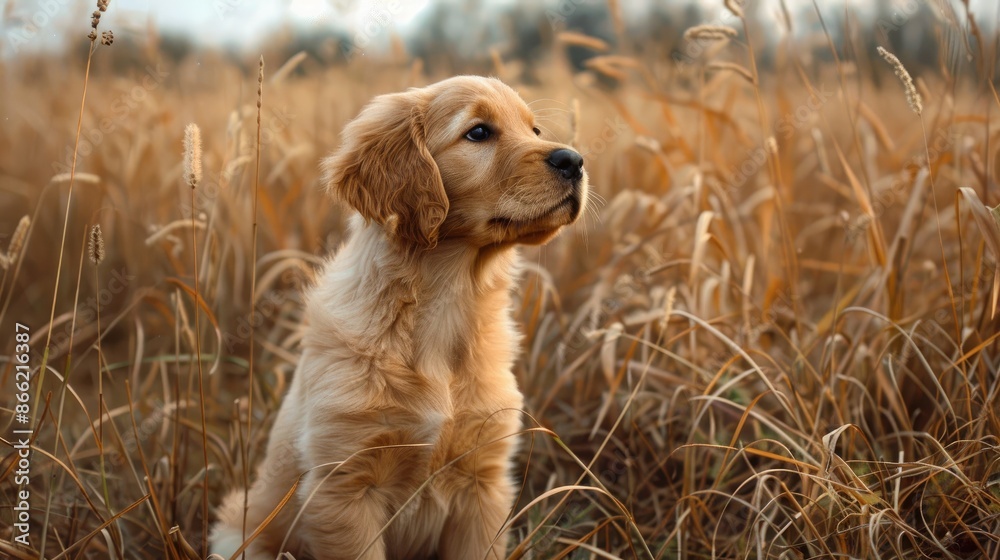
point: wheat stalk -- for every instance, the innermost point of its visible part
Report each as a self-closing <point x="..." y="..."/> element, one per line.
<point x="192" y="176"/>
<point x="95" y="252"/>
<point x="102" y="6"/>
<point x="253" y="294"/>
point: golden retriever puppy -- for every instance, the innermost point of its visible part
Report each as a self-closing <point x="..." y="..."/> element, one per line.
<point x="403" y="414"/>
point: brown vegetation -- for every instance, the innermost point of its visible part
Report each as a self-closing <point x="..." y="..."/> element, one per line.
<point x="777" y="337"/>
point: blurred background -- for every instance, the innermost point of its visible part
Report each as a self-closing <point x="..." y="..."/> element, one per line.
<point x="464" y="32"/>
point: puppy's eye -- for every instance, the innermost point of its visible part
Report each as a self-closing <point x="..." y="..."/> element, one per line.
<point x="537" y="131"/>
<point x="478" y="133"/>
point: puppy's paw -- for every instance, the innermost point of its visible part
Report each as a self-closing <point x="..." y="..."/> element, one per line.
<point x="225" y="541"/>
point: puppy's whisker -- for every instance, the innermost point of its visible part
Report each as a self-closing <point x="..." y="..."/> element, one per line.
<point x="548" y="111"/>
<point x="549" y="99"/>
<point x="595" y="198"/>
<point x="510" y="198"/>
<point x="546" y="130"/>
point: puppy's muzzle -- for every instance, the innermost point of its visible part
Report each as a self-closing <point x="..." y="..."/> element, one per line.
<point x="568" y="164"/>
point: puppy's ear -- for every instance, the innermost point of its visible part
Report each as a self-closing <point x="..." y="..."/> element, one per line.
<point x="384" y="170"/>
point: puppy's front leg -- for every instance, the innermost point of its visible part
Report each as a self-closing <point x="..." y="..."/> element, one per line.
<point x="476" y="517"/>
<point x="343" y="518"/>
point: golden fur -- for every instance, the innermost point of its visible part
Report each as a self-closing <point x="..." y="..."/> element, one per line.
<point x="406" y="375"/>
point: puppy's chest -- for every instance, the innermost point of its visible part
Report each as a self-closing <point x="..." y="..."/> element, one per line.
<point x="477" y="434"/>
<point x="464" y="347"/>
<point x="482" y="401"/>
<point x="446" y="336"/>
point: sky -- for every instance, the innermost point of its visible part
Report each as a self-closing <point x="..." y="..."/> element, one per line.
<point x="212" y="22"/>
<point x="31" y="24"/>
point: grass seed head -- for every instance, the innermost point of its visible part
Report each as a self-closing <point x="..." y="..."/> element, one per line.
<point x="710" y="32"/>
<point x="17" y="240"/>
<point x="95" y="20"/>
<point x="192" y="155"/>
<point x="912" y="95"/>
<point x="95" y="245"/>
<point x="260" y="88"/>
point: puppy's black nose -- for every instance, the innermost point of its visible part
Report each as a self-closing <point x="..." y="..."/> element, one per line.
<point x="568" y="163"/>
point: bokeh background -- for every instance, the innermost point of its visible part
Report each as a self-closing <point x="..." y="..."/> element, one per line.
<point x="773" y="335"/>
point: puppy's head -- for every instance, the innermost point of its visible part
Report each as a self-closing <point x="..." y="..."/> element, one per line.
<point x="460" y="159"/>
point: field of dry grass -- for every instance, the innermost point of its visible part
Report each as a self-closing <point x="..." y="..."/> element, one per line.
<point x="775" y="336"/>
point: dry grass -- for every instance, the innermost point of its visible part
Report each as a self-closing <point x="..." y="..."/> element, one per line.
<point x="776" y="338"/>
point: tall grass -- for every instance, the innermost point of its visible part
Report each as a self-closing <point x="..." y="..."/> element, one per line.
<point x="777" y="338"/>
